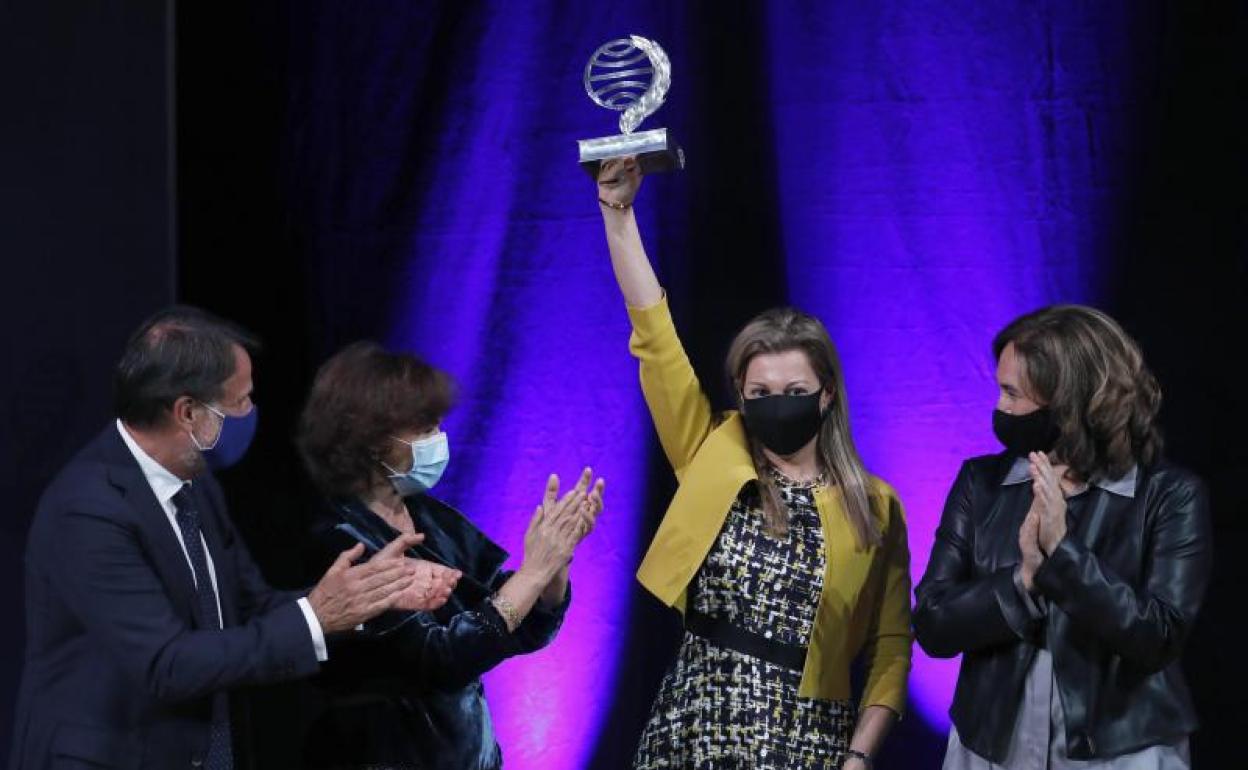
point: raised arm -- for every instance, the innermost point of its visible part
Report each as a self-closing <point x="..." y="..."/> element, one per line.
<point x="618" y="182"/>
<point x="679" y="407"/>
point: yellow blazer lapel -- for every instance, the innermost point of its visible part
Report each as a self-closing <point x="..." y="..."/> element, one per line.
<point x="845" y="572"/>
<point x="697" y="512"/>
<point x="847" y="565"/>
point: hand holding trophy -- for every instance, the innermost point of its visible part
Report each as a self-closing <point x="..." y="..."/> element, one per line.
<point x="630" y="74"/>
<point x="618" y="182"/>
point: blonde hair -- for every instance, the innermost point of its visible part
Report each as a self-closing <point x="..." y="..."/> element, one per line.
<point x="778" y="331"/>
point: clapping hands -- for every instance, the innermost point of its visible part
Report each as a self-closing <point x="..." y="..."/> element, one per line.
<point x="431" y="586"/>
<point x="1049" y="501"/>
<point x="559" y="524"/>
<point x="1045" y="523"/>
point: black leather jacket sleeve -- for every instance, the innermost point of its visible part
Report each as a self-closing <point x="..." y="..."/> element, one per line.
<point x="445" y="651"/>
<point x="1146" y="625"/>
<point x="450" y="655"/>
<point x="539" y="627"/>
<point x="959" y="607"/>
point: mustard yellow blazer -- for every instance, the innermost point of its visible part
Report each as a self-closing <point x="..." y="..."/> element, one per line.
<point x="865" y="605"/>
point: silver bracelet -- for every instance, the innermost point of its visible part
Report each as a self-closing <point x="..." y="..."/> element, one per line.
<point x="856" y="754"/>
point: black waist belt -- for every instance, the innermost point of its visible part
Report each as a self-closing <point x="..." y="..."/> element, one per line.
<point x="725" y="634"/>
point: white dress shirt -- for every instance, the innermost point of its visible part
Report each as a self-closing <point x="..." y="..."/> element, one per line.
<point x="165" y="485"/>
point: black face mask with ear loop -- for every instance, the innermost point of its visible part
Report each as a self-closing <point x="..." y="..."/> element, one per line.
<point x="1025" y="433"/>
<point x="784" y="423"/>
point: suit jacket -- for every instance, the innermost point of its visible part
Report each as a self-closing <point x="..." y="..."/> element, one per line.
<point x="120" y="671"/>
<point x="865" y="605"/>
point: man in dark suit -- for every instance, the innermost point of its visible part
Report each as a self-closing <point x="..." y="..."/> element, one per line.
<point x="143" y="606"/>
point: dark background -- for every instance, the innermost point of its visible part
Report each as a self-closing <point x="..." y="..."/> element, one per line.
<point x="148" y="156"/>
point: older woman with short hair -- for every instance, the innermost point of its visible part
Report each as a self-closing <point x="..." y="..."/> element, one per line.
<point x="405" y="690"/>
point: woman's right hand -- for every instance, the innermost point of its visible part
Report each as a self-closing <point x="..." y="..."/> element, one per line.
<point x="1029" y="547"/>
<point x="618" y="182"/>
<point x="560" y="524"/>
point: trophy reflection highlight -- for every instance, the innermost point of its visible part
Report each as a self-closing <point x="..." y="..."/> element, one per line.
<point x="632" y="75"/>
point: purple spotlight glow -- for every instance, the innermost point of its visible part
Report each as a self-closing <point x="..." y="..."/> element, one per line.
<point x="940" y="168"/>
<point x="516" y="300"/>
<point x="935" y="181"/>
<point x="518" y="303"/>
<point x="551" y="395"/>
<point x="548" y="397"/>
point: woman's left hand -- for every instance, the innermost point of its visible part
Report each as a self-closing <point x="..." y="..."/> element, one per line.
<point x="587" y="513"/>
<point x="1050" y="500"/>
<point x="583" y="514"/>
<point x="430" y="588"/>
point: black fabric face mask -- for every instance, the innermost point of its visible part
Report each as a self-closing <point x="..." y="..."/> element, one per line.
<point x="1024" y="433"/>
<point x="783" y="423"/>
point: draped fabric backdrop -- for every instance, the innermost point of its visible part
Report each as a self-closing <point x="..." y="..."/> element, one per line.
<point x="915" y="176"/>
<point x="914" y="173"/>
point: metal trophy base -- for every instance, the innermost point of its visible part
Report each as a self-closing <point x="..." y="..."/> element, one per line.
<point x="655" y="151"/>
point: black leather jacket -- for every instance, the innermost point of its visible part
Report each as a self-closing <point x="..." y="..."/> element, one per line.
<point x="1123" y="588"/>
<point x="405" y="692"/>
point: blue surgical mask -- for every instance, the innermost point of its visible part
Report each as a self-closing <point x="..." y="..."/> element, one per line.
<point x="429" y="459"/>
<point x="232" y="440"/>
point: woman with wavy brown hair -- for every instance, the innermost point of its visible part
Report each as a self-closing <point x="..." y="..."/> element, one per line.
<point x="787" y="559"/>
<point x="1068" y="570"/>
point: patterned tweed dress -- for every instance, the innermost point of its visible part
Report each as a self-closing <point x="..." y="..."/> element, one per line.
<point x="719" y="709"/>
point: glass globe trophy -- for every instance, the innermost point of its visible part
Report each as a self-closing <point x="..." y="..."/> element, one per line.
<point x="630" y="75"/>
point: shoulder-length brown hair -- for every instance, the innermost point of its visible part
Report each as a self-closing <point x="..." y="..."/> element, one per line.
<point x="780" y="330"/>
<point x="361" y="397"/>
<point x="1091" y="375"/>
